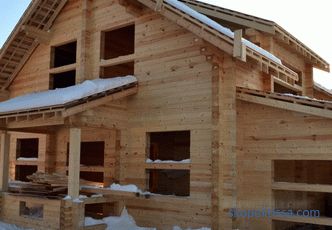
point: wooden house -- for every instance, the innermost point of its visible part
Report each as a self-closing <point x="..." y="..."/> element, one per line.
<point x="216" y="106"/>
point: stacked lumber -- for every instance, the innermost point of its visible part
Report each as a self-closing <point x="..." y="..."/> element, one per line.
<point x="45" y="184"/>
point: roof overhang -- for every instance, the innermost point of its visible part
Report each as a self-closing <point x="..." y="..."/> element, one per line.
<point x="31" y="30"/>
<point x="57" y="115"/>
<point x="218" y="39"/>
<point x="260" y="24"/>
<point x="322" y="89"/>
<point x="285" y="101"/>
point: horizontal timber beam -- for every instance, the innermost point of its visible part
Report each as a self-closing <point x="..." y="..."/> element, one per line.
<point x="320" y="112"/>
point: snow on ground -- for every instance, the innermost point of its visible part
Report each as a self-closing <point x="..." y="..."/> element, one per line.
<point x="5" y="226"/>
<point x="207" y="21"/>
<point x="64" y="95"/>
<point x="123" y="222"/>
<point x="168" y="161"/>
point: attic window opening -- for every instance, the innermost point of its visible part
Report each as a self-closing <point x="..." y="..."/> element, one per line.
<point x="27" y="148"/>
<point x="63" y="55"/>
<point x="22" y="171"/>
<point x="62" y="80"/>
<point x="118" y="42"/>
<point x="120" y="70"/>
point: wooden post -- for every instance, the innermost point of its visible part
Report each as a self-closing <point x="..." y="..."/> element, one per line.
<point x="74" y="162"/>
<point x="83" y="43"/>
<point x="224" y="145"/>
<point x="159" y="5"/>
<point x="239" y="49"/>
<point x="308" y="81"/>
<point x="4" y="161"/>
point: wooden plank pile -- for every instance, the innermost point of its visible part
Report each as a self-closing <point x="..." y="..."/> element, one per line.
<point x="41" y="184"/>
<point x="45" y="185"/>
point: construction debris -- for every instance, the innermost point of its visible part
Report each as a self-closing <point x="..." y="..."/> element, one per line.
<point x="44" y="184"/>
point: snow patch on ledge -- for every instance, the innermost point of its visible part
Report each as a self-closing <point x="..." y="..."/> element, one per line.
<point x="64" y="95"/>
<point x="187" y="161"/>
<point x="178" y="228"/>
<point x="125" y="188"/>
<point x="224" y="30"/>
<point x="27" y="159"/>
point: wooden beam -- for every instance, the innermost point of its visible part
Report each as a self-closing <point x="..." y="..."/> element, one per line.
<point x="159" y="5"/>
<point x="98" y="102"/>
<point x="285" y="105"/>
<point x="41" y="35"/>
<point x="287" y="186"/>
<point x="309" y="220"/>
<point x="74" y="162"/>
<point x="239" y="49"/>
<point x="62" y="69"/>
<point x="4" y="161"/>
<point x="118" y="60"/>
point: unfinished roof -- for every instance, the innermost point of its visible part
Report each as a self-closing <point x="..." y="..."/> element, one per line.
<point x="270" y="27"/>
<point x="322" y="89"/>
<point x="66" y="101"/>
<point x="218" y="35"/>
<point x="290" y="102"/>
<point x="34" y="26"/>
<point x="32" y="29"/>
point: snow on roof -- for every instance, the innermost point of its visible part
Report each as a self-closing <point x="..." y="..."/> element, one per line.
<point x="226" y="31"/>
<point x="323" y="87"/>
<point x="62" y="96"/>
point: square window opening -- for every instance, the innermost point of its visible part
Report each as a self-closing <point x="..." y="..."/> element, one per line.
<point x="22" y="171"/>
<point x="63" y="80"/>
<point x="118" y="42"/>
<point x="31" y="210"/>
<point x="63" y="55"/>
<point x="173" y="145"/>
<point x="92" y="153"/>
<point x="117" y="70"/>
<point x="27" y="148"/>
<point x="169" y="182"/>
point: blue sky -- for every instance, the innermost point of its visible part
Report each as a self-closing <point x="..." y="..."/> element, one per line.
<point x="10" y="13"/>
<point x="308" y="21"/>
